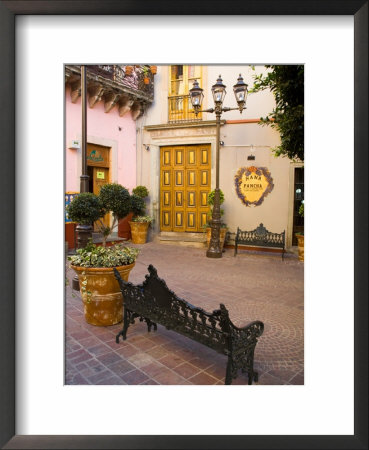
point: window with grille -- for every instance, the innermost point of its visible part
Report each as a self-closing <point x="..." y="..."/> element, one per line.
<point x="181" y="79"/>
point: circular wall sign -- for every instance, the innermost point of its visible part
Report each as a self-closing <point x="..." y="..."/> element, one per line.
<point x="253" y="184"/>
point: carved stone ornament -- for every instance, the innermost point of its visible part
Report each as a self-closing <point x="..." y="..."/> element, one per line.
<point x="253" y="184"/>
<point x="95" y="93"/>
<point x="110" y="100"/>
<point x="124" y="105"/>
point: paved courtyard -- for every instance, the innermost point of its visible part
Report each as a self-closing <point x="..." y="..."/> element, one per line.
<point x="253" y="286"/>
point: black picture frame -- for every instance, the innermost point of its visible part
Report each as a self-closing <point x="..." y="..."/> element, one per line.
<point x="8" y="10"/>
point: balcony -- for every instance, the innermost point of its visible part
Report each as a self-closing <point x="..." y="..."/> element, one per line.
<point x="138" y="78"/>
<point x="128" y="87"/>
<point x="180" y="110"/>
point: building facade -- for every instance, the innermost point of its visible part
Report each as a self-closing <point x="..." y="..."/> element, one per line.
<point x="116" y="95"/>
<point x="176" y="154"/>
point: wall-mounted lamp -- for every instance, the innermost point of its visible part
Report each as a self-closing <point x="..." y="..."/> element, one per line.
<point x="221" y="143"/>
<point x="251" y="157"/>
<point x="147" y="147"/>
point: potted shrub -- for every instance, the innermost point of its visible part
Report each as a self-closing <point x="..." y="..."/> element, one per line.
<point x="100" y="291"/>
<point x="117" y="200"/>
<point x="223" y="226"/>
<point x="101" y="295"/>
<point x="300" y="236"/>
<point x="85" y="209"/>
<point x="140" y="222"/>
<point x="146" y="78"/>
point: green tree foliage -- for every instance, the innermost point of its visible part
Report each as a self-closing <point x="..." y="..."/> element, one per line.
<point x="138" y="205"/>
<point x="85" y="208"/>
<point x="115" y="198"/>
<point x="287" y="84"/>
<point x="141" y="191"/>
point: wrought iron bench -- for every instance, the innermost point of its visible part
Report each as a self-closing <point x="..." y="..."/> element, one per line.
<point x="153" y="302"/>
<point x="260" y="237"/>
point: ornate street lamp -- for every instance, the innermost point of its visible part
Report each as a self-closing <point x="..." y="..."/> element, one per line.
<point x="84" y="232"/>
<point x="218" y="91"/>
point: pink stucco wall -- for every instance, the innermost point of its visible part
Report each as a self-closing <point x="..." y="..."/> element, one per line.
<point x="100" y="126"/>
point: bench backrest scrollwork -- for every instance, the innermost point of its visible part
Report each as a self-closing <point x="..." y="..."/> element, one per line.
<point x="154" y="300"/>
<point x="261" y="236"/>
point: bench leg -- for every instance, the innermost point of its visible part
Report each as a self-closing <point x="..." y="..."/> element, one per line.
<point x="151" y="324"/>
<point x="125" y="327"/>
<point x="228" y="377"/>
<point x="235" y="249"/>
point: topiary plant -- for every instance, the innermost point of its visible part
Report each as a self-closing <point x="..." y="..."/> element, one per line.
<point x="138" y="206"/>
<point x="117" y="200"/>
<point x="85" y="208"/>
<point x="140" y="191"/>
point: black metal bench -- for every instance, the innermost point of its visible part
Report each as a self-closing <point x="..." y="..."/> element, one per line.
<point x="153" y="302"/>
<point x="260" y="237"/>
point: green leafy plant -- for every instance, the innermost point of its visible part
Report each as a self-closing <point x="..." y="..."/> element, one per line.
<point x="140" y="191"/>
<point x="85" y="208"/>
<point x="99" y="256"/>
<point x="301" y="214"/>
<point x="145" y="219"/>
<point x="301" y="209"/>
<point x="138" y="206"/>
<point x="211" y="198"/>
<point x="286" y="82"/>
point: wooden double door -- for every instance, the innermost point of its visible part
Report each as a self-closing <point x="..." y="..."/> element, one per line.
<point x="184" y="187"/>
<point x="98" y="171"/>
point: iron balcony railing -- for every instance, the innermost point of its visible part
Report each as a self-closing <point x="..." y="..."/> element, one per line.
<point x="135" y="77"/>
<point x="180" y="110"/>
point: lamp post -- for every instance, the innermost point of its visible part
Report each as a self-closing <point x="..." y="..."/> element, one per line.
<point x="84" y="232"/>
<point x="218" y="91"/>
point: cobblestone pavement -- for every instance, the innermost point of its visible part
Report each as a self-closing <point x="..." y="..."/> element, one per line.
<point x="253" y="286"/>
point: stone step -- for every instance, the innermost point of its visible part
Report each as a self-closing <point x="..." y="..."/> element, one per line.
<point x="185" y="239"/>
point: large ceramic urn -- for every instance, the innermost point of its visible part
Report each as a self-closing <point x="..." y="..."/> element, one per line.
<point x="101" y="294"/>
<point x="139" y="232"/>
<point x="300" y="243"/>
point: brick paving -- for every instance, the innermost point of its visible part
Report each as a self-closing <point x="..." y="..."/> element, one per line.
<point x="253" y="286"/>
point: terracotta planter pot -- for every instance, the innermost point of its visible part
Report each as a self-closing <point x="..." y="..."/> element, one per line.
<point x="129" y="70"/>
<point x="146" y="80"/>
<point x="124" y="229"/>
<point x="300" y="243"/>
<point x="139" y="232"/>
<point x="70" y="234"/>
<point x="223" y="232"/>
<point x="153" y="69"/>
<point x="101" y="296"/>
